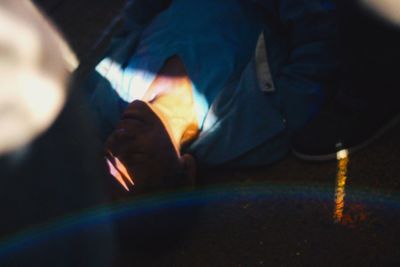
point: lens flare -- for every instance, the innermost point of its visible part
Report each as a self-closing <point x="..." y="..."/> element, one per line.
<point x="119" y="172"/>
<point x="88" y="220"/>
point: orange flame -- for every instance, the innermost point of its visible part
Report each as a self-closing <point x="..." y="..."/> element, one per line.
<point x="341" y="177"/>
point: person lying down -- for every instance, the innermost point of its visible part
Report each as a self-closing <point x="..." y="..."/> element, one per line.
<point x="178" y="89"/>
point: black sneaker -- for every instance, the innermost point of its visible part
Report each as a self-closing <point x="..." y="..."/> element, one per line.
<point x="339" y="127"/>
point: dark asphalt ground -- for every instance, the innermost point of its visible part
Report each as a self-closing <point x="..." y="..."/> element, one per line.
<point x="289" y="222"/>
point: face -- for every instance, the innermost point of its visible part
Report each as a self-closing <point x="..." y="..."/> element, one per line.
<point x="34" y="71"/>
<point x="141" y="151"/>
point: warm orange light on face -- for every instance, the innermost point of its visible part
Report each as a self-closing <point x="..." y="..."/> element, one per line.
<point x="341" y="177"/>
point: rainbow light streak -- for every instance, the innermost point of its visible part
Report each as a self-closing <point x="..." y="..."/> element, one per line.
<point x="341" y="177"/>
<point x="100" y="215"/>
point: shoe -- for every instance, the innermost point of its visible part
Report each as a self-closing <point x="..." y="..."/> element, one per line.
<point x="339" y="127"/>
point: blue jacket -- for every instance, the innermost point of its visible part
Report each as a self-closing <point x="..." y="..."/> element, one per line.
<point x="241" y="119"/>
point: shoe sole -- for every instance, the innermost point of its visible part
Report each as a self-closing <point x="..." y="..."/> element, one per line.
<point x="329" y="157"/>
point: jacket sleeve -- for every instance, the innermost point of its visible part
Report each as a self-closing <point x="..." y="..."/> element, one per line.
<point x="143" y="11"/>
<point x="137" y="14"/>
<point x="308" y="65"/>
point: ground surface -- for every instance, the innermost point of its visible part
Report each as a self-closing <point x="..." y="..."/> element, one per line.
<point x="279" y="226"/>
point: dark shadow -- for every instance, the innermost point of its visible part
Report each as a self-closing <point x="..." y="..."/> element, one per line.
<point x="60" y="174"/>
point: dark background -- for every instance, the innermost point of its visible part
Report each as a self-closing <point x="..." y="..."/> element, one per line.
<point x="277" y="232"/>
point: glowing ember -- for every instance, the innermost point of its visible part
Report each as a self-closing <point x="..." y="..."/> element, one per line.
<point x="341" y="178"/>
